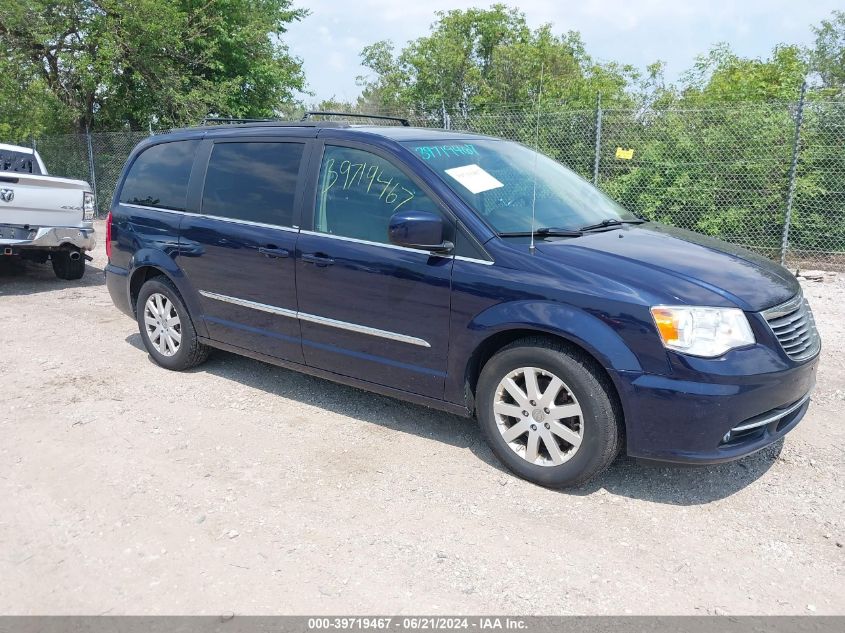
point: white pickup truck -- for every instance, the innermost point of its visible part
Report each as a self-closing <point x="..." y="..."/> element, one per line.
<point x="44" y="217"/>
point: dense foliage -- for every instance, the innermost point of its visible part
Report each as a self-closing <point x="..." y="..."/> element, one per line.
<point x="483" y="59"/>
<point x="68" y="64"/>
<point x="712" y="153"/>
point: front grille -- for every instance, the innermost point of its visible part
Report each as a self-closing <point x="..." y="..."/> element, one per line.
<point x="794" y="327"/>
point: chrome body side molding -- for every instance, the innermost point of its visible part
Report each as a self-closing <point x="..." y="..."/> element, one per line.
<point x="313" y="318"/>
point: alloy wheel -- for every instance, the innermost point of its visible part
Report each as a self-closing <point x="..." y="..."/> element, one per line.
<point x="538" y="416"/>
<point x="164" y="328"/>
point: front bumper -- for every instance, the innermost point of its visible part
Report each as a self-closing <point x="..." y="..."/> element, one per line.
<point x="686" y="421"/>
<point x="16" y="238"/>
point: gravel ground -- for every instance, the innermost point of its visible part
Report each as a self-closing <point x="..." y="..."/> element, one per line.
<point x="241" y="487"/>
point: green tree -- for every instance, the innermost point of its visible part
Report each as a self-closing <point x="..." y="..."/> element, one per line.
<point x="721" y="77"/>
<point x="477" y="59"/>
<point x="27" y="107"/>
<point x="828" y="55"/>
<point x="713" y="153"/>
<point x="152" y="61"/>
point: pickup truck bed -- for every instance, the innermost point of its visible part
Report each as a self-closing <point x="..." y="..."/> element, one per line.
<point x="44" y="217"/>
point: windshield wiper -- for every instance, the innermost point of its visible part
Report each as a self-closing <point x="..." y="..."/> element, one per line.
<point x="608" y="223"/>
<point x="546" y="231"/>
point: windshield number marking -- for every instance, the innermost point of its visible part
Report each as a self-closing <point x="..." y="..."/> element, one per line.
<point x="427" y="152"/>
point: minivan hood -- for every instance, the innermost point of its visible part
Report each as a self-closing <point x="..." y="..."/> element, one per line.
<point x="747" y="280"/>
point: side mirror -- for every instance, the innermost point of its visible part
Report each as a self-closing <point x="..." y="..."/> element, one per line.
<point x="420" y="230"/>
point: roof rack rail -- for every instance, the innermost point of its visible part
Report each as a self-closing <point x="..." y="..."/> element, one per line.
<point x="310" y="113"/>
<point x="220" y="119"/>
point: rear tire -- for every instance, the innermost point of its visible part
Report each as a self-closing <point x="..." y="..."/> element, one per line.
<point x="166" y="327"/>
<point x="67" y="268"/>
<point x="549" y="413"/>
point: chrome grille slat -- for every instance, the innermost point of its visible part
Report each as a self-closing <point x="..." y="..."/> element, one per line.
<point x="797" y="348"/>
<point x="789" y="340"/>
<point x="792" y="334"/>
<point x="790" y="327"/>
<point x="788" y="320"/>
<point x="789" y="336"/>
<point x="795" y="340"/>
<point x="797" y="344"/>
<point x="793" y="325"/>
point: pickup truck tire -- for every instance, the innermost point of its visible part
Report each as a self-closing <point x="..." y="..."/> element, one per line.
<point x="158" y="303"/>
<point x="67" y="268"/>
<point x="549" y="413"/>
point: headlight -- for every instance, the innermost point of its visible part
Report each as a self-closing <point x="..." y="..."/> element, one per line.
<point x="87" y="205"/>
<point x="699" y="331"/>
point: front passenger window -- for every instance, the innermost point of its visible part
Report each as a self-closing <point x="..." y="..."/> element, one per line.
<point x="359" y="191"/>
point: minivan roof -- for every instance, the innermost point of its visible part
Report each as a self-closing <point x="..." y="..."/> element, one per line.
<point x="392" y="132"/>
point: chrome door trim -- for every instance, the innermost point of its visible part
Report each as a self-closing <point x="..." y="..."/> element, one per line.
<point x="292" y="229"/>
<point x="148" y="208"/>
<point x="313" y="318"/>
<point x="263" y="307"/>
<point x="355" y="240"/>
<point x="474" y="260"/>
<point x="363" y="329"/>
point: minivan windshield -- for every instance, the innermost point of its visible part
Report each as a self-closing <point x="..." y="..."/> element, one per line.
<point x="497" y="179"/>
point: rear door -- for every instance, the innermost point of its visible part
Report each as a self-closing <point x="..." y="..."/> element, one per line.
<point x="238" y="252"/>
<point x="369" y="309"/>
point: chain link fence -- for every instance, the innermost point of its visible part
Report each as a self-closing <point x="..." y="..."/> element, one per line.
<point x="97" y="157"/>
<point x="725" y="172"/>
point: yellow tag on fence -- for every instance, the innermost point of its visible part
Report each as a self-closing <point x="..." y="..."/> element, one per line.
<point x="624" y="154"/>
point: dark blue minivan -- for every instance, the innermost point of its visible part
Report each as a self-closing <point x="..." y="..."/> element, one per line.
<point x="466" y="273"/>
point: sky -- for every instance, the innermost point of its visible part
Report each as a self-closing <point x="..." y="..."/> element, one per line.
<point x="638" y="32"/>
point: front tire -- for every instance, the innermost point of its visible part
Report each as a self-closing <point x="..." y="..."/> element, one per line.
<point x="549" y="413"/>
<point x="166" y="327"/>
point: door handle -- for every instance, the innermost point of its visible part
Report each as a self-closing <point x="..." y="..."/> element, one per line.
<point x="318" y="259"/>
<point x="273" y="252"/>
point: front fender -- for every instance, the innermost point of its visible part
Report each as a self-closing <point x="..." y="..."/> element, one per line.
<point x="543" y="317"/>
<point x="158" y="259"/>
<point x="569" y="322"/>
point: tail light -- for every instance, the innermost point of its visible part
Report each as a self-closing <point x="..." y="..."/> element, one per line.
<point x="88" y="206"/>
<point x="108" y="235"/>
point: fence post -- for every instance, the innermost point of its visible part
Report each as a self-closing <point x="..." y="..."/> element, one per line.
<point x="598" y="141"/>
<point x="793" y="168"/>
<point x="92" y="171"/>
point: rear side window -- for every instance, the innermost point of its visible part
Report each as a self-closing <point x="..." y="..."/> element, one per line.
<point x="159" y="176"/>
<point x="19" y="162"/>
<point x="253" y="182"/>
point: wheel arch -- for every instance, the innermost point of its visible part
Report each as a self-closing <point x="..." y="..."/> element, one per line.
<point x="148" y="264"/>
<point x="138" y="278"/>
<point x="494" y="343"/>
<point x="561" y="323"/>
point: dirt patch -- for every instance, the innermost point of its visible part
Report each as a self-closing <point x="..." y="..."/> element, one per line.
<point x="241" y="487"/>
